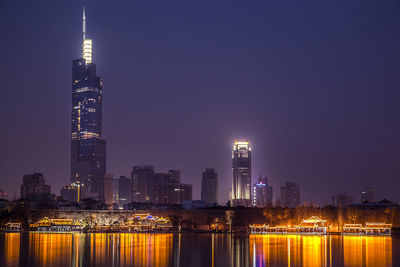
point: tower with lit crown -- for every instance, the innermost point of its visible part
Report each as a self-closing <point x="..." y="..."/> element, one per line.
<point x="241" y="178"/>
<point x="88" y="149"/>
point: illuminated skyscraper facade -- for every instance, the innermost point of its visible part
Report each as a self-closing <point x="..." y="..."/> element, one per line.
<point x="241" y="178"/>
<point x="88" y="149"/>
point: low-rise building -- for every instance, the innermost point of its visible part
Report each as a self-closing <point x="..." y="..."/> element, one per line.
<point x="55" y="225"/>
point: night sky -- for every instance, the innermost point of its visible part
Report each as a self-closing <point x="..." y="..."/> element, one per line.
<point x="314" y="87"/>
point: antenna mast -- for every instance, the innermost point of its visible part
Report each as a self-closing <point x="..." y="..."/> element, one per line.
<point x="84" y="25"/>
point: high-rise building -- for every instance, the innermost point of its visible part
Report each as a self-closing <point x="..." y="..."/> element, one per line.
<point x="142" y="183"/>
<point x="209" y="187"/>
<point x="368" y="194"/>
<point x="124" y="190"/>
<point x="34" y="185"/>
<point x="342" y="200"/>
<point x="172" y="193"/>
<point x="174" y="176"/>
<point x="88" y="149"/>
<point x="262" y="193"/>
<point x="241" y="168"/>
<point x="167" y="188"/>
<point x="116" y="190"/>
<point x="102" y="188"/>
<point x="290" y="195"/>
<point x="158" y="188"/>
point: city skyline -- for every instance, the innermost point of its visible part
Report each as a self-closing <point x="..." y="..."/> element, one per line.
<point x="145" y="133"/>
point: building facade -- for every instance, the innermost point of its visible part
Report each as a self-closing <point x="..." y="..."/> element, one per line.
<point x="88" y="149"/>
<point x="262" y="193"/>
<point x="168" y="190"/>
<point x="342" y="200"/>
<point x="102" y="188"/>
<point x="368" y="194"/>
<point x="209" y="187"/>
<point x="290" y="195"/>
<point x="34" y="185"/>
<point x="142" y="183"/>
<point x="241" y="170"/>
<point x="172" y="193"/>
<point x="72" y="193"/>
<point x="3" y="194"/>
<point x="158" y="188"/>
<point x="124" y="190"/>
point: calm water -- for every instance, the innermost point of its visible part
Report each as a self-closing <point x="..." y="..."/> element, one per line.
<point x="196" y="250"/>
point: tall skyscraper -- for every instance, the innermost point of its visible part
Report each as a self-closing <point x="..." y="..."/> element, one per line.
<point x="88" y="149"/>
<point x="209" y="187"/>
<point x="290" y="195"/>
<point x="241" y="168"/>
<point x="262" y="193"/>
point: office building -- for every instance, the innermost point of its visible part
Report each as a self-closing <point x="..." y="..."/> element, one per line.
<point x="368" y="194"/>
<point x="262" y="193"/>
<point x="342" y="200"/>
<point x="209" y="187"/>
<point x="172" y="193"/>
<point x="101" y="188"/>
<point x="167" y="188"/>
<point x="88" y="149"/>
<point x="241" y="179"/>
<point x="142" y="183"/>
<point x="3" y="194"/>
<point x="290" y="195"/>
<point x="124" y="190"/>
<point x="158" y="188"/>
<point x="116" y="190"/>
<point x="34" y="185"/>
<point x="72" y="193"/>
<point x="174" y="176"/>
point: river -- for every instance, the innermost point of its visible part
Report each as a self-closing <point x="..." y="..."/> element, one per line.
<point x="190" y="249"/>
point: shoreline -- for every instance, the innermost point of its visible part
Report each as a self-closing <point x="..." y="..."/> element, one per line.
<point x="201" y="232"/>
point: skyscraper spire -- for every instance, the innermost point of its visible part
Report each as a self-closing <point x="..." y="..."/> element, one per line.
<point x="87" y="51"/>
<point x="84" y="24"/>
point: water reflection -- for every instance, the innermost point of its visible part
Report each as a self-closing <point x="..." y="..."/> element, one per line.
<point x="72" y="250"/>
<point x="11" y="249"/>
<point x="302" y="250"/>
<point x="367" y="251"/>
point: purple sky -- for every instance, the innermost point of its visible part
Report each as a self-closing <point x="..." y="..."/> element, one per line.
<point x="314" y="86"/>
